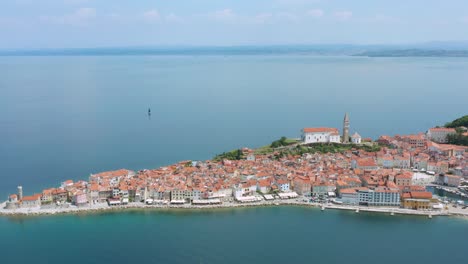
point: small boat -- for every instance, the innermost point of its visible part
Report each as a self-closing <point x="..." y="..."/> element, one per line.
<point x="149" y="111"/>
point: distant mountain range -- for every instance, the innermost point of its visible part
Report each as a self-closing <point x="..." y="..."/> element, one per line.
<point x="432" y="49"/>
<point x="414" y="53"/>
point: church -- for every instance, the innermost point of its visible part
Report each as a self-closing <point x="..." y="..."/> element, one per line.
<point x="329" y="135"/>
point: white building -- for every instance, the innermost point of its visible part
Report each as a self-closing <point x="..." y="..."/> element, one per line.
<point x="356" y="138"/>
<point x="321" y="135"/>
<point x="380" y="196"/>
<point x="440" y="134"/>
<point x="283" y="185"/>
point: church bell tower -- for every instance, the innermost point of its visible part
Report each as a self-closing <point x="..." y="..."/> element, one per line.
<point x="345" y="138"/>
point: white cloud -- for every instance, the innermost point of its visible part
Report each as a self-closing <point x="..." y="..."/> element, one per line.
<point x="173" y="18"/>
<point x="225" y="14"/>
<point x="315" y="13"/>
<point x="343" y="15"/>
<point x="152" y="15"/>
<point x="296" y="2"/>
<point x="80" y="17"/>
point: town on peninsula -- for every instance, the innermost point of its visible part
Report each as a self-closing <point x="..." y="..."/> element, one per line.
<point x="323" y="168"/>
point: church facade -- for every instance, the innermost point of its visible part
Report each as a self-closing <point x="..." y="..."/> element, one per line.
<point x="320" y="135"/>
<point x="329" y="135"/>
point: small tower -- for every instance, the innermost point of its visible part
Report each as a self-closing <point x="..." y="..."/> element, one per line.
<point x="346" y="129"/>
<point x="20" y="193"/>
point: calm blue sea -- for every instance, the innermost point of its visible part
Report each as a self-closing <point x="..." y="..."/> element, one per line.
<point x="254" y="235"/>
<point x="66" y="117"/>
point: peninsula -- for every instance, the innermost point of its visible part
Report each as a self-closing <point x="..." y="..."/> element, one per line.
<point x="322" y="168"/>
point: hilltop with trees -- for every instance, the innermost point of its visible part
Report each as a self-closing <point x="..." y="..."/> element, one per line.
<point x="460" y="125"/>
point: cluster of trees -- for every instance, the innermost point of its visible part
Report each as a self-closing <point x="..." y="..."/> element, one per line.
<point x="283" y="141"/>
<point x="458" y="139"/>
<point x="459" y="122"/>
<point x="231" y="155"/>
<point x="324" y="148"/>
<point x="279" y="143"/>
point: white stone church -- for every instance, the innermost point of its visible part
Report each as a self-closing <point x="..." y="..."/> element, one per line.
<point x="321" y="135"/>
<point x="329" y="135"/>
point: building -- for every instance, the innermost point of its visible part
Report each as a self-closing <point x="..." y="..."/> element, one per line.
<point x="404" y="179"/>
<point x="264" y="186"/>
<point x="80" y="198"/>
<point x="12" y="202"/>
<point x="302" y="185"/>
<point x="440" y="134"/>
<point x="323" y="189"/>
<point x="452" y="180"/>
<point x="346" y="128"/>
<point x="364" y="164"/>
<point x="380" y="196"/>
<point x="320" y="135"/>
<point x="402" y="162"/>
<point x="417" y="200"/>
<point x="416" y="204"/>
<point x="20" y="193"/>
<point x="283" y="185"/>
<point x="31" y="201"/>
<point x="356" y="138"/>
<point x="349" y="196"/>
<point x="416" y="141"/>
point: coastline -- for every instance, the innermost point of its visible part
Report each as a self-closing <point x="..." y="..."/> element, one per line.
<point x="100" y="208"/>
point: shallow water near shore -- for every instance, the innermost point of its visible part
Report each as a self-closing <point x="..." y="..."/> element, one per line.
<point x="248" y="235"/>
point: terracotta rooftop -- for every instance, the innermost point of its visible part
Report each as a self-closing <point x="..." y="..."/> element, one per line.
<point x="320" y="130"/>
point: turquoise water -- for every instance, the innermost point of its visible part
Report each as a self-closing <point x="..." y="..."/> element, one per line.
<point x="253" y="235"/>
<point x="66" y="117"/>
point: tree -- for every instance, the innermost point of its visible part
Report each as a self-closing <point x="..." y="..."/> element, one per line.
<point x="459" y="122"/>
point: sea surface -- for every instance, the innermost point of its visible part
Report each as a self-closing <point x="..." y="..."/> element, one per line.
<point x="249" y="235"/>
<point x="64" y="117"/>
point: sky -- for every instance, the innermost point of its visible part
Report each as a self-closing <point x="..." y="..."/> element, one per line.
<point x="117" y="23"/>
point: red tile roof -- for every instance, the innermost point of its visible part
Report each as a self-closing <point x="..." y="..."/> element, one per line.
<point x="320" y="130"/>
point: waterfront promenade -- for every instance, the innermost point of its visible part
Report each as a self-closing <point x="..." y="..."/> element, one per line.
<point x="103" y="207"/>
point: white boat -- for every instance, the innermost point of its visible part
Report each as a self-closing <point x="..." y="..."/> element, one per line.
<point x="337" y="202"/>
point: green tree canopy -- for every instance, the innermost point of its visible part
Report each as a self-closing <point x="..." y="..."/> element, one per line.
<point x="462" y="121"/>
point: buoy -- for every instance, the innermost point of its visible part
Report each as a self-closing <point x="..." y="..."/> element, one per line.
<point x="392" y="213"/>
<point x="322" y="208"/>
<point x="430" y="216"/>
<point x="357" y="210"/>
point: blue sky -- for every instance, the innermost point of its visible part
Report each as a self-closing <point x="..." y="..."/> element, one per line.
<point x="101" y="23"/>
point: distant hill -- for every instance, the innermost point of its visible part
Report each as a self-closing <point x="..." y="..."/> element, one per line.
<point x="414" y="53"/>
